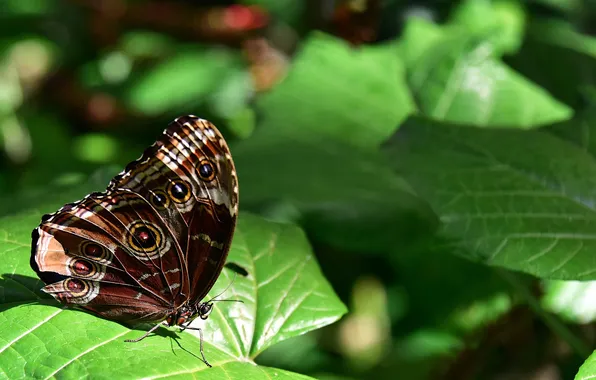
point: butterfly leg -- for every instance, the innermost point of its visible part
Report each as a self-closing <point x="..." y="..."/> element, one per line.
<point x="146" y="334"/>
<point x="183" y="327"/>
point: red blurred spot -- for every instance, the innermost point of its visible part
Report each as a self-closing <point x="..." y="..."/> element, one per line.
<point x="244" y="18"/>
<point x="101" y="107"/>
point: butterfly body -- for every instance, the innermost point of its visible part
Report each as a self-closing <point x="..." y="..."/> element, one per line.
<point x="150" y="247"/>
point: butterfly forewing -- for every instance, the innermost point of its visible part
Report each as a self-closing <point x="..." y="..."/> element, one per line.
<point x="155" y="240"/>
<point x="214" y="217"/>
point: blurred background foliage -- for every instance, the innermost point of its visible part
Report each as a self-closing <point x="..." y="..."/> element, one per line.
<point x="363" y="121"/>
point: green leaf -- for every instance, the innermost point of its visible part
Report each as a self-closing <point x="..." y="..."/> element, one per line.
<point x="522" y="200"/>
<point x="439" y="294"/>
<point x="588" y="369"/>
<point x="579" y="130"/>
<point x="96" y="147"/>
<point x="64" y="187"/>
<point x="146" y="44"/>
<point x="457" y="77"/>
<point x="504" y="19"/>
<point x="353" y="95"/>
<point x="284" y="295"/>
<point x="572" y="300"/>
<point x="185" y="78"/>
<point x="570" y="56"/>
<point x="288" y="11"/>
<point x="573" y="7"/>
<point x="561" y="33"/>
<point x="345" y="196"/>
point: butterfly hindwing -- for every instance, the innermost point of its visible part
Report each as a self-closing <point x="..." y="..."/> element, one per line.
<point x="99" y="244"/>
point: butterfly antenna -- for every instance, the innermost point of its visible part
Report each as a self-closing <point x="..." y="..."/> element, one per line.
<point x="225" y="290"/>
<point x="227" y="301"/>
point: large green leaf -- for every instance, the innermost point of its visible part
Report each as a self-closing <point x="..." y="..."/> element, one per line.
<point x="354" y="95"/>
<point x="457" y="77"/>
<point x="284" y="295"/>
<point x="523" y="200"/>
<point x="345" y="196"/>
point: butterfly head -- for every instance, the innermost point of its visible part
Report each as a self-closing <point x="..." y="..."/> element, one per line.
<point x="188" y="313"/>
<point x="203" y="309"/>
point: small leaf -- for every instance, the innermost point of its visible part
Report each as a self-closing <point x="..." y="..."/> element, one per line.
<point x="457" y="77"/>
<point x="284" y="295"/>
<point x="588" y="370"/>
<point x="186" y="77"/>
<point x="504" y="20"/>
<point x="572" y="300"/>
<point x="353" y="95"/>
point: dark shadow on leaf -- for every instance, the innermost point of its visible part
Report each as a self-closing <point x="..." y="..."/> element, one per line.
<point x="184" y="349"/>
<point x="237" y="269"/>
<point x="16" y="289"/>
<point x="19" y="290"/>
<point x="163" y="332"/>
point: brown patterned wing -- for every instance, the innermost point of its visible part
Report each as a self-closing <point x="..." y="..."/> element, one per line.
<point x="155" y="240"/>
<point x="105" y="254"/>
<point x="189" y="177"/>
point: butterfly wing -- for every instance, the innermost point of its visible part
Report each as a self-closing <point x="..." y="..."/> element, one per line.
<point x="189" y="176"/>
<point x="104" y="254"/>
<point x="213" y="221"/>
<point x="155" y="240"/>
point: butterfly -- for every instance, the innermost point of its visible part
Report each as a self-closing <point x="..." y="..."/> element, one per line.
<point x="150" y="247"/>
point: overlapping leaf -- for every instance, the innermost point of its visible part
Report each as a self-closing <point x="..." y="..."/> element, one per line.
<point x="344" y="195"/>
<point x="523" y="200"/>
<point x="458" y="77"/>
<point x="352" y="95"/>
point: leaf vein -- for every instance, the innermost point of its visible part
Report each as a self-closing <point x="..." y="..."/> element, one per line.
<point x="31" y="330"/>
<point x="81" y="354"/>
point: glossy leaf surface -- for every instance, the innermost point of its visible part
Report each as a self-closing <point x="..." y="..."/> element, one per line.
<point x="284" y="294"/>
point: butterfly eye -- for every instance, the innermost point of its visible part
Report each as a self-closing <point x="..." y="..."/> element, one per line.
<point x="144" y="237"/>
<point x="179" y="191"/>
<point x="83" y="268"/>
<point x="77" y="288"/>
<point x="205" y="309"/>
<point x="95" y="252"/>
<point x="159" y="199"/>
<point x="206" y="170"/>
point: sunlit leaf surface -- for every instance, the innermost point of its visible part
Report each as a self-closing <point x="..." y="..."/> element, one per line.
<point x="284" y="295"/>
